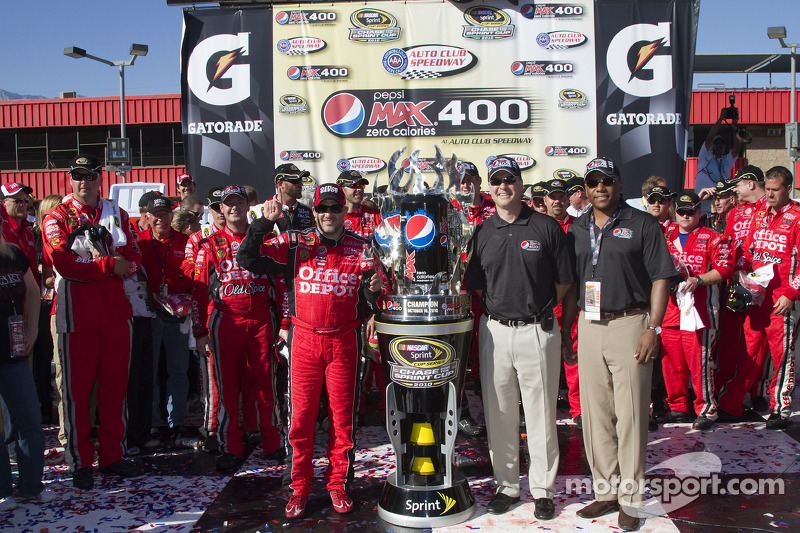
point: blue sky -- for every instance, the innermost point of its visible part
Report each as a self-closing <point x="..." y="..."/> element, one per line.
<point x="34" y="34"/>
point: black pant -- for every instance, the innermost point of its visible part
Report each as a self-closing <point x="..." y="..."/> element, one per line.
<point x="140" y="383"/>
<point x="42" y="360"/>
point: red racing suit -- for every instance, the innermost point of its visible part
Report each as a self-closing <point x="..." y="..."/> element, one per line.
<point x="691" y="352"/>
<point x="363" y="221"/>
<point x="93" y="319"/>
<point x="732" y="348"/>
<point x="21" y="235"/>
<point x="773" y="239"/>
<point x="233" y="307"/>
<point x="570" y="371"/>
<point x="327" y="304"/>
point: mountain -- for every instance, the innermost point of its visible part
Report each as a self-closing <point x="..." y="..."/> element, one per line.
<point x="8" y="95"/>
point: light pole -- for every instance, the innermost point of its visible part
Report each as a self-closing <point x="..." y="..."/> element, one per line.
<point x="779" y="32"/>
<point x="136" y="50"/>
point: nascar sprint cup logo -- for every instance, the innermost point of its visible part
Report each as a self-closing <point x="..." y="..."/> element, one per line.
<point x="218" y="71"/>
<point x="487" y="23"/>
<point x="426" y="112"/>
<point x="373" y="26"/>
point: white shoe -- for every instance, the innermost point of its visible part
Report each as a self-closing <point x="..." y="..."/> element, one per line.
<point x="8" y="504"/>
<point x="46" y="496"/>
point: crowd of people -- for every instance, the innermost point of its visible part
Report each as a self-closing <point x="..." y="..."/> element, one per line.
<point x="277" y="301"/>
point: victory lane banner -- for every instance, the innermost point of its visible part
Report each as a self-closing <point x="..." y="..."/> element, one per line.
<point x="348" y="84"/>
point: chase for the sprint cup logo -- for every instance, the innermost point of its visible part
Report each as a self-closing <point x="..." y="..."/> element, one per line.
<point x="373" y="26"/>
<point x="426" y="112"/>
<point x="487" y="23"/>
<point x="422" y="362"/>
<point x="428" y="61"/>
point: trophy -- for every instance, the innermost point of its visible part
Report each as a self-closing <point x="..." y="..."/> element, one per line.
<point x="424" y="335"/>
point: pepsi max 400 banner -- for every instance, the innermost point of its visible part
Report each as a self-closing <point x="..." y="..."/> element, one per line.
<point x="227" y="97"/>
<point x="645" y="55"/>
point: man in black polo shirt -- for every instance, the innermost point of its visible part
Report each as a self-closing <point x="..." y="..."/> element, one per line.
<point x="521" y="267"/>
<point x="622" y="271"/>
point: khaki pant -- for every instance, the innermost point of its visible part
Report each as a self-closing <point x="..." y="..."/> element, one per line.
<point x="525" y="362"/>
<point x="615" y="403"/>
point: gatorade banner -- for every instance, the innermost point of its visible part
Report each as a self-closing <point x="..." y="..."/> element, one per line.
<point x="645" y="58"/>
<point x="348" y="84"/>
<point x="226" y="97"/>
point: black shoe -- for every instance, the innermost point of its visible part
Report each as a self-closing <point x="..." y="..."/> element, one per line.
<point x="500" y="503"/>
<point x="545" y="510"/>
<point x="278" y="455"/>
<point x="673" y="417"/>
<point x="469" y="427"/>
<point x="598" y="508"/>
<point x="124" y="469"/>
<point x="702" y="423"/>
<point x="760" y="404"/>
<point x="776" y="421"/>
<point x="627" y="522"/>
<point x="83" y="478"/>
<point x="252" y="438"/>
<point x="578" y="422"/>
<point x="652" y="425"/>
<point x="211" y="444"/>
<point x="229" y="462"/>
<point x="727" y="418"/>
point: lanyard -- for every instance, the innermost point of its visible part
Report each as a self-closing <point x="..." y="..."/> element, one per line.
<point x="596" y="240"/>
<point x="164" y="259"/>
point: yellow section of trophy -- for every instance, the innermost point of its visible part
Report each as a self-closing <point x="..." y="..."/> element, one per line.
<point x="422" y="434"/>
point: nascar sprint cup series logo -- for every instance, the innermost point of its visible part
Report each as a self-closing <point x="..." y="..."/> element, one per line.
<point x="373" y="26"/>
<point x="219" y="70"/>
<point x="426" y="112"/>
<point x="428" y="61"/>
<point x="421" y="362"/>
<point x="487" y="23"/>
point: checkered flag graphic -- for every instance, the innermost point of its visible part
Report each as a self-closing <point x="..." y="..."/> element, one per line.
<point x="296" y="53"/>
<point x="553" y="46"/>
<point x="419" y="75"/>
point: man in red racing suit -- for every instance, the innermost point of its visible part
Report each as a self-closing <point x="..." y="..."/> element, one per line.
<point x="323" y="269"/>
<point x="773" y="241"/>
<point x="238" y="323"/>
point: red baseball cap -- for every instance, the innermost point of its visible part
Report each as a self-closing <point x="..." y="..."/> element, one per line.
<point x="185" y="177"/>
<point x="329" y="191"/>
<point x="10" y="189"/>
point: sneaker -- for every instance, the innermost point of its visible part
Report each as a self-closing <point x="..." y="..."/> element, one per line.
<point x="8" y="504"/>
<point x="652" y="425"/>
<point x="229" y="462"/>
<point x="296" y="506"/>
<point x="760" y="404"/>
<point x="211" y="444"/>
<point x="702" y="423"/>
<point x="278" y="455"/>
<point x="123" y="468"/>
<point x="342" y="503"/>
<point x="184" y="440"/>
<point x="469" y="427"/>
<point x="578" y="422"/>
<point x="673" y="417"/>
<point x="83" y="478"/>
<point x="776" y="421"/>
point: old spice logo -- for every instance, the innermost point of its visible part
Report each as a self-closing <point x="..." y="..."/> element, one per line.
<point x="411" y="269"/>
<point x="237" y="289"/>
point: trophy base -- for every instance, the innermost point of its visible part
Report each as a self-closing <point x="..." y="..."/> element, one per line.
<point x="424" y="507"/>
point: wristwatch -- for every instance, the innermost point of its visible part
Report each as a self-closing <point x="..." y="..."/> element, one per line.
<point x="657" y="329"/>
<point x="700" y="281"/>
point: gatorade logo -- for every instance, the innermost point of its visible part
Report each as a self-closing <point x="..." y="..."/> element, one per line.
<point x="636" y="62"/>
<point x="218" y="72"/>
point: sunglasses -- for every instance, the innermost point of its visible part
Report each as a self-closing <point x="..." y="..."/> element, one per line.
<point x="686" y="212"/>
<point x="18" y="200"/>
<point x="608" y="181"/>
<point x="660" y="200"/>
<point x="91" y="176"/>
<point x="291" y="178"/>
<point x="356" y="185"/>
<point x="510" y="180"/>
<point x="335" y="208"/>
<point x="198" y="214"/>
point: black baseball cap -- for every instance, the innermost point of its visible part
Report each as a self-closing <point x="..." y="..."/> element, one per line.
<point x="231" y="190"/>
<point x="215" y="197"/>
<point x="660" y="190"/>
<point x="289" y="172"/>
<point x="555" y="185"/>
<point x="146" y="197"/>
<point x="538" y="190"/>
<point x="504" y="164"/>
<point x="86" y="162"/>
<point x="603" y="165"/>
<point x="159" y="203"/>
<point x="749" y="172"/>
<point x="329" y="191"/>
<point x="687" y="200"/>
<point x="724" y="188"/>
<point x="573" y="184"/>
<point x="469" y="168"/>
<point x="348" y="178"/>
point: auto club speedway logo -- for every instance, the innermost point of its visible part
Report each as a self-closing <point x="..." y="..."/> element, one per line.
<point x="425" y="112"/>
<point x="487" y="23"/>
<point x="301" y="45"/>
<point x="363" y="164"/>
<point x="560" y="40"/>
<point x="428" y="61"/>
<point x="373" y="26"/>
